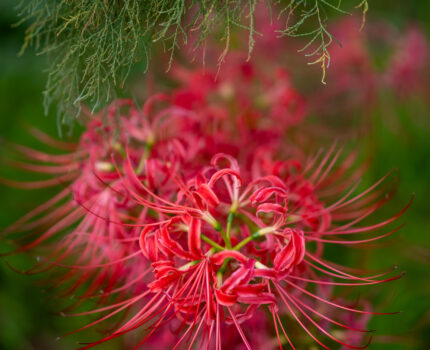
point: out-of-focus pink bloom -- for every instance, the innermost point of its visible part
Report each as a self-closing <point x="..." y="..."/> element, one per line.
<point x="406" y="67"/>
<point x="245" y="98"/>
<point x="351" y="77"/>
<point x="355" y="338"/>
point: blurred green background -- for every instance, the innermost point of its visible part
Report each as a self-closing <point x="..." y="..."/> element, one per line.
<point x="399" y="138"/>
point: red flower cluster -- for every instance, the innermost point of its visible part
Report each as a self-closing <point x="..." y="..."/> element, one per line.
<point x="200" y="221"/>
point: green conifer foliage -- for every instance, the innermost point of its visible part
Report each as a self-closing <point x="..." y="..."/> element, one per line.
<point x="93" y="44"/>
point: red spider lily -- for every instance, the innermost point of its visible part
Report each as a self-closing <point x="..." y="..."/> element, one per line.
<point x="223" y="249"/>
<point x="93" y="213"/>
<point x="158" y="225"/>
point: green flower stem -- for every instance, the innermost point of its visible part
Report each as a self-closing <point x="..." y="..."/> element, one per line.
<point x="212" y="243"/>
<point x="217" y="226"/>
<point x="260" y="233"/>
<point x="225" y="239"/>
<point x="230" y="219"/>
<point x="188" y="265"/>
<point x="221" y="271"/>
<point x="248" y="239"/>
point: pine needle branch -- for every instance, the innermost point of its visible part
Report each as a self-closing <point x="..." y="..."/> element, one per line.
<point x="92" y="45"/>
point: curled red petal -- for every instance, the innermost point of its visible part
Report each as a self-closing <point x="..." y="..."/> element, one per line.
<point x="241" y="276"/>
<point x="292" y="253"/>
<point x="218" y="258"/>
<point x="258" y="299"/>
<point x="271" y="208"/>
<point x="205" y="193"/>
<point x="219" y="174"/>
<point x="224" y="298"/>
<point x="194" y="240"/>
<point x="233" y="162"/>
<point x="263" y="194"/>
